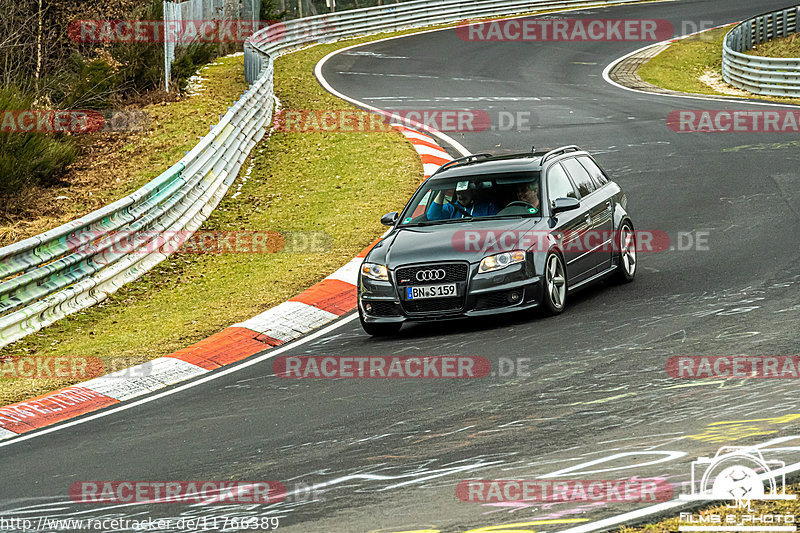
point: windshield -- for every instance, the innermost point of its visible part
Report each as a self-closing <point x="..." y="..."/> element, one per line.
<point x="470" y="197"/>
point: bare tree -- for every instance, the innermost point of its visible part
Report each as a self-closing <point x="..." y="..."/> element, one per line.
<point x="17" y="41"/>
<point x="39" y="46"/>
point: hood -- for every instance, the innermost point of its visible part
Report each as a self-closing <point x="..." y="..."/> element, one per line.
<point x="464" y="241"/>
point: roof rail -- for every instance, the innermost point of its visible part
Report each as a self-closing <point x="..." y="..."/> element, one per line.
<point x="461" y="161"/>
<point x="559" y="151"/>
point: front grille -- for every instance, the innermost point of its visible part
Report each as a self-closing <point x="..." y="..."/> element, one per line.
<point x="453" y="272"/>
<point x="494" y="300"/>
<point x="434" y="305"/>
<point x="380" y="308"/>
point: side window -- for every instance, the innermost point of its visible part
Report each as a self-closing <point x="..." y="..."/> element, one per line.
<point x="597" y="174"/>
<point x="583" y="181"/>
<point x="558" y="184"/>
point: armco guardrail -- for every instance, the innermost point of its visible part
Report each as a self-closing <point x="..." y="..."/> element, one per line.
<point x="44" y="278"/>
<point x="278" y="38"/>
<point x="49" y="276"/>
<point x="770" y="76"/>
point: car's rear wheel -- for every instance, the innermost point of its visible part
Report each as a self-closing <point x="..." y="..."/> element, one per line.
<point x="555" y="285"/>
<point x="379" y="330"/>
<point x="627" y="253"/>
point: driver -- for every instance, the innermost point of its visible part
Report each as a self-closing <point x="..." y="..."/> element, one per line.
<point x="467" y="204"/>
<point x="528" y="192"/>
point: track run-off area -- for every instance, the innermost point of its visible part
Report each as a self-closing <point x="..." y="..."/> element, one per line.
<point x="595" y="400"/>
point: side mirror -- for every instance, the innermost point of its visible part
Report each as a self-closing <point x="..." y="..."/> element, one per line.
<point x="390" y="218"/>
<point x="564" y="204"/>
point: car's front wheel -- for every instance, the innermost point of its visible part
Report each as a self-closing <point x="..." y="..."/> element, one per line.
<point x="379" y="330"/>
<point x="555" y="285"/>
<point x="627" y="253"/>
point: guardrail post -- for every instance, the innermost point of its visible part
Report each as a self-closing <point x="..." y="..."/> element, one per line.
<point x="759" y="30"/>
<point x="774" y="25"/>
<point x="797" y="19"/>
<point x="785" y="23"/>
<point x="749" y="31"/>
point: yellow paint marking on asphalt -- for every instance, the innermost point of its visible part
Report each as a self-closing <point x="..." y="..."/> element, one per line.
<point x="604" y="400"/>
<point x="734" y="430"/>
<point x="682" y="385"/>
<point x="785" y="419"/>
<point x="512" y="528"/>
<point x="762" y="146"/>
<point x="731" y="434"/>
<point x="696" y="384"/>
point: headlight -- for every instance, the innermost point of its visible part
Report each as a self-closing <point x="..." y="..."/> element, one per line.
<point x="373" y="271"/>
<point x="500" y="261"/>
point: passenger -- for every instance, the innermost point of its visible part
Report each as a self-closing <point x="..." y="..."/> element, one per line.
<point x="467" y="204"/>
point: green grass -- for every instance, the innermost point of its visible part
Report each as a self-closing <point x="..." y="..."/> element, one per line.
<point x="115" y="165"/>
<point x="774" y="507"/>
<point x="338" y="183"/>
<point x="783" y="47"/>
<point x="680" y="66"/>
<point x="29" y="159"/>
<point x="178" y="126"/>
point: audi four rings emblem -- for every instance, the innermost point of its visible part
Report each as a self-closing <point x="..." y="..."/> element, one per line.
<point x="431" y="275"/>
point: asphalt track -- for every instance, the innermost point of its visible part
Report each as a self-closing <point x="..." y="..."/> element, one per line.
<point x="386" y="455"/>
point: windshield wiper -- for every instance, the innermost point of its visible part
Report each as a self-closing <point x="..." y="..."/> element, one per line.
<point x="514" y="216"/>
<point x="434" y="222"/>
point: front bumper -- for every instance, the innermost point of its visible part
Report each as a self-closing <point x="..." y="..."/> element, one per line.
<point x="512" y="289"/>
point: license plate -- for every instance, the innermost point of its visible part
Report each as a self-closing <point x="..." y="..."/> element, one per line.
<point x="431" y="291"/>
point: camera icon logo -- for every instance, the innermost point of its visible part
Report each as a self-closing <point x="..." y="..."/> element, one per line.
<point x="738" y="473"/>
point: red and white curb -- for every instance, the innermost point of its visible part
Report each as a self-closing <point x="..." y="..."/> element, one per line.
<point x="431" y="154"/>
<point x="318" y="305"/>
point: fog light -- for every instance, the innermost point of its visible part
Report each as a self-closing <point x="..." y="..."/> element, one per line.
<point x="514" y="297"/>
<point x="368" y="307"/>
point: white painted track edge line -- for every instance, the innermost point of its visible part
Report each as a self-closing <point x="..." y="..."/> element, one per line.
<point x="621" y="519"/>
<point x="397" y="118"/>
<point x="711" y="98"/>
<point x="605" y="524"/>
<point x="614" y="520"/>
<point x="300" y="339"/>
<point x="403" y="120"/>
<point x="217" y="373"/>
